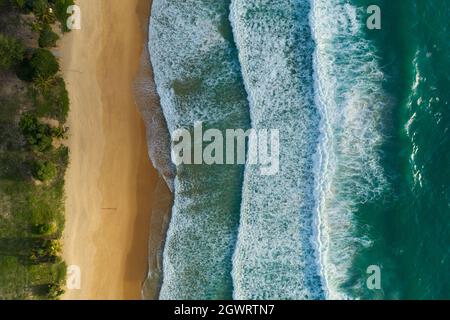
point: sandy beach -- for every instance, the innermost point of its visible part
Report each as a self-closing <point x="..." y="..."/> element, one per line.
<point x="110" y="179"/>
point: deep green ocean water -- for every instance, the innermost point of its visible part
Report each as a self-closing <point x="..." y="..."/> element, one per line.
<point x="410" y="227"/>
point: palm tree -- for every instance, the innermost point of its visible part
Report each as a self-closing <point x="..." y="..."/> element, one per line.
<point x="42" y="83"/>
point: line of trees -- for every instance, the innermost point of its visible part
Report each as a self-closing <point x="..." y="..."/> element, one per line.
<point x="47" y="95"/>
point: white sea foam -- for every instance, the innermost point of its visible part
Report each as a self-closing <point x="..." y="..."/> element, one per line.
<point x="351" y="101"/>
<point x="275" y="253"/>
<point x="198" y="80"/>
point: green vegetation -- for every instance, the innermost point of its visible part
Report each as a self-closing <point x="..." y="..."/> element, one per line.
<point x="40" y="64"/>
<point x="43" y="64"/>
<point x="47" y="38"/>
<point x="60" y="9"/>
<point x="34" y="105"/>
<point x="11" y="52"/>
<point x="46" y="11"/>
<point x="51" y="98"/>
<point x="37" y="134"/>
<point x="44" y="170"/>
<point x="45" y="229"/>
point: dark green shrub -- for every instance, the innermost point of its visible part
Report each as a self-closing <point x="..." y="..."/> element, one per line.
<point x="11" y="52"/>
<point x="47" y="38"/>
<point x="44" y="229"/>
<point x="41" y="64"/>
<point x="39" y="6"/>
<point x="44" y="63"/>
<point x="44" y="170"/>
<point x="24" y="70"/>
<point x="45" y="251"/>
<point x="37" y="134"/>
<point x="26" y="5"/>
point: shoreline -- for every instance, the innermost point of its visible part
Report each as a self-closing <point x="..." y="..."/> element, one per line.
<point x="110" y="179"/>
<point x="159" y="149"/>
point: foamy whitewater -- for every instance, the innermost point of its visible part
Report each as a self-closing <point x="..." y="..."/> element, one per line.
<point x="276" y="229"/>
<point x="287" y="65"/>
<point x="198" y="79"/>
<point x="349" y="97"/>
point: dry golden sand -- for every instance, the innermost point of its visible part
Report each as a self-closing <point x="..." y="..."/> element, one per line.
<point x="110" y="179"/>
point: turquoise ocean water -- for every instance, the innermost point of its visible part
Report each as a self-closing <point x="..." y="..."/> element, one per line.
<point x="364" y="175"/>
